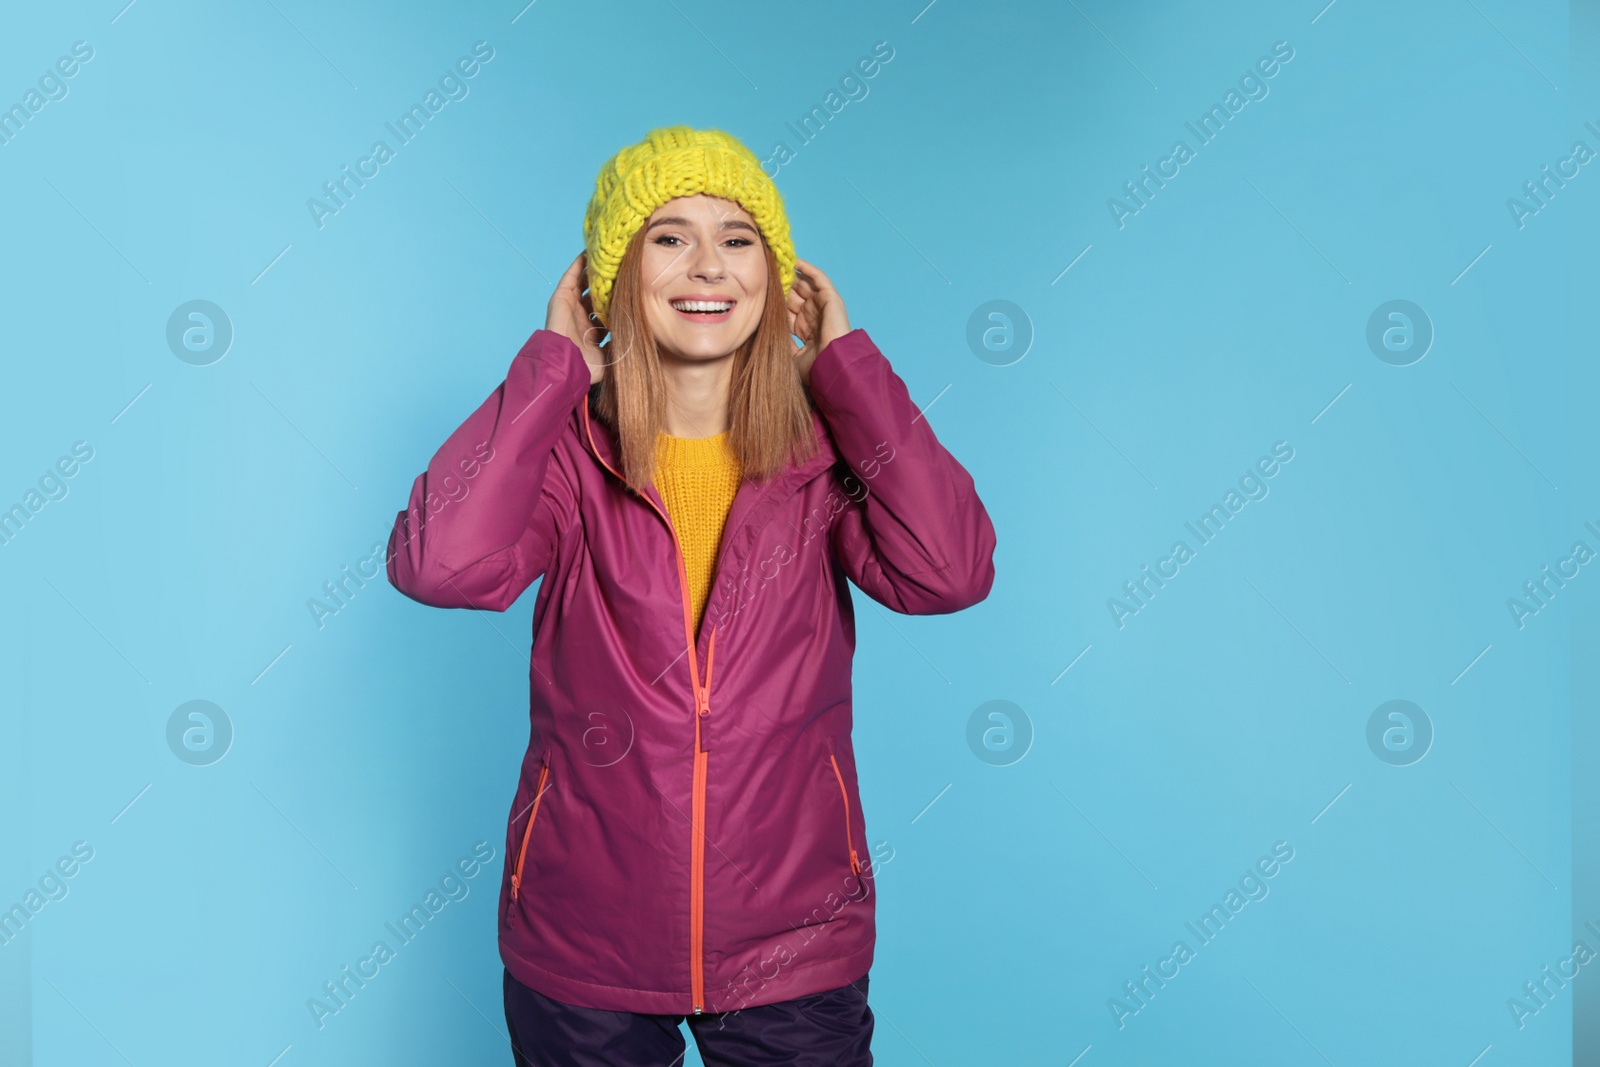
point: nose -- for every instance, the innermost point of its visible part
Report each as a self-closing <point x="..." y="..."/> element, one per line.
<point x="705" y="262"/>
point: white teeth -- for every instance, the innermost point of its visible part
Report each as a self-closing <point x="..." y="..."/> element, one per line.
<point x="701" y="305"/>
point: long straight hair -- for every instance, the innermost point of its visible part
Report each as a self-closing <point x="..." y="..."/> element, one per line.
<point x="769" y="408"/>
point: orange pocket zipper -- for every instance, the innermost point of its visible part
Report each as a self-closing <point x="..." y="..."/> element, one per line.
<point x="522" y="852"/>
<point x="855" y="864"/>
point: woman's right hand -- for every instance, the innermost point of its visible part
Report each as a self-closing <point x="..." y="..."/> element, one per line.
<point x="572" y="316"/>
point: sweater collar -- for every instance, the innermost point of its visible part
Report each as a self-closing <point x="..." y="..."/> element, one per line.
<point x="601" y="443"/>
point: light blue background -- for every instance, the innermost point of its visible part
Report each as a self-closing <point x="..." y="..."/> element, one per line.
<point x="1229" y="714"/>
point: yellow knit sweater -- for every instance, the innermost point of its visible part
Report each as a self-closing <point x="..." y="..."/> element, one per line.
<point x="697" y="478"/>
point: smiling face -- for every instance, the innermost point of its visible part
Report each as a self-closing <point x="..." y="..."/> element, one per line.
<point x="703" y="270"/>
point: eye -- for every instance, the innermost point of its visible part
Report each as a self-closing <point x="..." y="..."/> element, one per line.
<point x="664" y="238"/>
<point x="740" y="242"/>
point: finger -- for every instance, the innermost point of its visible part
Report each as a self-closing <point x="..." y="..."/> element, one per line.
<point x="574" y="270"/>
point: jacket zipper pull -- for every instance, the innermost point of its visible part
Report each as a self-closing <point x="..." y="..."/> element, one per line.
<point x="702" y="705"/>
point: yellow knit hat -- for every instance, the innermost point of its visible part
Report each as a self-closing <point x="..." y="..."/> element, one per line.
<point x="674" y="161"/>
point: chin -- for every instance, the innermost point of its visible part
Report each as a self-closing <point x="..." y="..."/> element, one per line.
<point x="709" y="347"/>
<point x="703" y="342"/>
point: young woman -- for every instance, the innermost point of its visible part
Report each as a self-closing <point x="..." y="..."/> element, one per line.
<point x="686" y="839"/>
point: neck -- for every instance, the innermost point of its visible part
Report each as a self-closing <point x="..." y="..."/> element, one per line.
<point x="697" y="395"/>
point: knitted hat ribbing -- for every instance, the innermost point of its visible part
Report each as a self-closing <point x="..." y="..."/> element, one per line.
<point x="670" y="162"/>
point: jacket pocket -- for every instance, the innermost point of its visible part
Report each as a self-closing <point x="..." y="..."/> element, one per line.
<point x="849" y="841"/>
<point x="527" y="832"/>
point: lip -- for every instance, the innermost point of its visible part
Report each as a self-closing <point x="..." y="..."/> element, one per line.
<point x="701" y="317"/>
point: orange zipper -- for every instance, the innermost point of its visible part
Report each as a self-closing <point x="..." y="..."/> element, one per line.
<point x="855" y="864"/>
<point x="702" y="706"/>
<point x="522" y="852"/>
<point x="697" y="846"/>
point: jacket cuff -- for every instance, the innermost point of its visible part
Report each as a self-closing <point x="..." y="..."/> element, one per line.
<point x="836" y="359"/>
<point x="558" y="350"/>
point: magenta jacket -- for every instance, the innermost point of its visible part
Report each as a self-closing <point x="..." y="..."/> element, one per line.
<point x="686" y="833"/>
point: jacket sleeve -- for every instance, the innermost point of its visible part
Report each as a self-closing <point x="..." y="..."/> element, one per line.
<point x="483" y="519"/>
<point x="912" y="534"/>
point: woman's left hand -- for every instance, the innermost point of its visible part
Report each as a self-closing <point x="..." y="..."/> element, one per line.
<point x="816" y="315"/>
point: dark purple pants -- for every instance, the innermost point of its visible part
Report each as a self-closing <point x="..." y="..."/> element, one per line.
<point x="829" y="1029"/>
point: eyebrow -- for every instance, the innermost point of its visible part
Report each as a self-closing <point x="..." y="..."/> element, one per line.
<point x="678" y="220"/>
